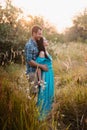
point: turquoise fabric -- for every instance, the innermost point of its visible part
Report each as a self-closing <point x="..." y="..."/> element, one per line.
<point x="46" y="95"/>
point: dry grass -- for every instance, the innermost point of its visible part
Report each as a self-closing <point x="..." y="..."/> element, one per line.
<point x="19" y="112"/>
<point x="70" y="69"/>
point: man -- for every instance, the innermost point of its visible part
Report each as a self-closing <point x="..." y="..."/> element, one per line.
<point x="31" y="51"/>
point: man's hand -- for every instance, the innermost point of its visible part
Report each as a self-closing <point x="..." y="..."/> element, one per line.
<point x="43" y="67"/>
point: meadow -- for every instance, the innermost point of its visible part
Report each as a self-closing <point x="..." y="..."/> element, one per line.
<point x="18" y="110"/>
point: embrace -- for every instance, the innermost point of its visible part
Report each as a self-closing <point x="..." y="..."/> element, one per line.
<point x="36" y="54"/>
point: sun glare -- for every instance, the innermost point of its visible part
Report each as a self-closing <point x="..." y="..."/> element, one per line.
<point x="59" y="13"/>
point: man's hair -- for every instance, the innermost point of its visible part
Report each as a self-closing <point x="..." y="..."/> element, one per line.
<point x="35" y="28"/>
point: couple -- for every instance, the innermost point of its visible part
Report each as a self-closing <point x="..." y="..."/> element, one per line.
<point x="36" y="55"/>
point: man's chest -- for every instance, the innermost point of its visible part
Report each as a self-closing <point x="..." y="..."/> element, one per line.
<point x="34" y="52"/>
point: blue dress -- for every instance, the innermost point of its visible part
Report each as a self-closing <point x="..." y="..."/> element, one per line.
<point x="46" y="95"/>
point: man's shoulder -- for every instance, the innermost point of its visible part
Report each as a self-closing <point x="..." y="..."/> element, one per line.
<point x="29" y="43"/>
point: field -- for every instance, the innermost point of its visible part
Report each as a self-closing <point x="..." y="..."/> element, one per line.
<point x="18" y="110"/>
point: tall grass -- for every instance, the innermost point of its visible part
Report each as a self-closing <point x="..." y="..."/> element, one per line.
<point x="19" y="112"/>
<point x="70" y="107"/>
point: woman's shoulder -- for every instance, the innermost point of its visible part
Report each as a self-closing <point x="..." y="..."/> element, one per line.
<point x="42" y="54"/>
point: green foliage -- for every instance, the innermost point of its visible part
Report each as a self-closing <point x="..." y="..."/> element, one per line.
<point x="78" y="32"/>
<point x="15" y="30"/>
<point x="10" y="27"/>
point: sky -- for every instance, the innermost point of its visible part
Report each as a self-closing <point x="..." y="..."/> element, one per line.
<point x="58" y="12"/>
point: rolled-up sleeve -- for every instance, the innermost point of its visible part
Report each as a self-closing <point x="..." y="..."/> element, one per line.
<point x="28" y="53"/>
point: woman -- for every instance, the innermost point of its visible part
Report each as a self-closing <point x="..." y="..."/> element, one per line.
<point x="46" y="95"/>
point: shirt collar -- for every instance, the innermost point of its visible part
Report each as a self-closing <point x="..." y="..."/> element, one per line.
<point x="34" y="42"/>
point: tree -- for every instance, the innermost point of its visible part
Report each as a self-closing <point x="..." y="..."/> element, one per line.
<point x="15" y="30"/>
<point x="10" y="27"/>
<point x="78" y="32"/>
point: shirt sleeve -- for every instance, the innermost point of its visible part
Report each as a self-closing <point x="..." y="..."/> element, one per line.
<point x="29" y="53"/>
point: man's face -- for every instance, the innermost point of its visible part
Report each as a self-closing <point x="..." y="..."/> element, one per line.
<point x="38" y="35"/>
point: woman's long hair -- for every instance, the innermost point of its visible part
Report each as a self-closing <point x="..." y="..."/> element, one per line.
<point x="41" y="47"/>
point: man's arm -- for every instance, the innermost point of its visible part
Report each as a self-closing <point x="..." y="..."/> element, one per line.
<point x="43" y="67"/>
<point x="28" y="50"/>
<point x="35" y="64"/>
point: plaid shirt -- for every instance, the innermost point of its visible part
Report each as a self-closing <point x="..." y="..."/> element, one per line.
<point x="31" y="52"/>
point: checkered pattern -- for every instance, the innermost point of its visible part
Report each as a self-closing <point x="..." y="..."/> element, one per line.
<point x="31" y="52"/>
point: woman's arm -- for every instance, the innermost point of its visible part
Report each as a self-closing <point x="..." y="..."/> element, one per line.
<point x="41" y="66"/>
